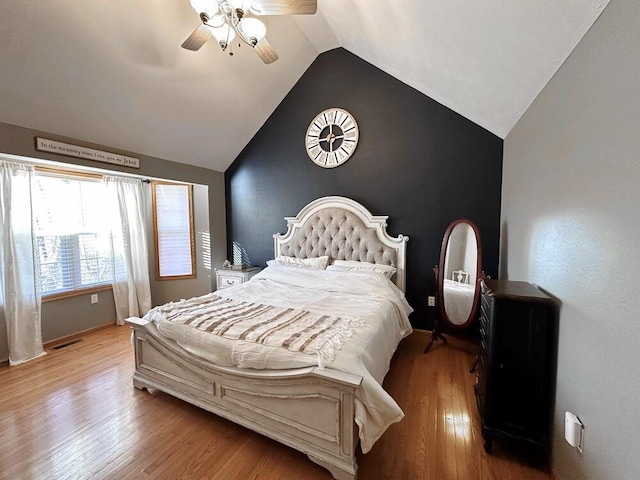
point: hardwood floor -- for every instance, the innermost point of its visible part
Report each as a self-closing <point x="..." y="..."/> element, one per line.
<point x="75" y="414"/>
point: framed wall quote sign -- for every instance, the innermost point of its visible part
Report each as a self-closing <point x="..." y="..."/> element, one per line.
<point x="52" y="146"/>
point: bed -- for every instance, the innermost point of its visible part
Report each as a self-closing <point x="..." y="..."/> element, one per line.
<point x="321" y="402"/>
<point x="458" y="300"/>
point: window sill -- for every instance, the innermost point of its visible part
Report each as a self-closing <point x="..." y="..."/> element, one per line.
<point x="75" y="293"/>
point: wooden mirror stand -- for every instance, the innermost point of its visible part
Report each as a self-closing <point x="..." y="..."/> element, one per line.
<point x="457" y="282"/>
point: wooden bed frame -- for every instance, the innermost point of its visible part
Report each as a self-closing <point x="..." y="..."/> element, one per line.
<point x="308" y="409"/>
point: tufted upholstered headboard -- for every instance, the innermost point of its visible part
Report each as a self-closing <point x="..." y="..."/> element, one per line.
<point x="344" y="230"/>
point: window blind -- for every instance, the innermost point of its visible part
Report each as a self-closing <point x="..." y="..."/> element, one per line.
<point x="73" y="240"/>
<point x="173" y="225"/>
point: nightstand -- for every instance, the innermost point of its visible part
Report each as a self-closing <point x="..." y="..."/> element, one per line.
<point x="227" y="277"/>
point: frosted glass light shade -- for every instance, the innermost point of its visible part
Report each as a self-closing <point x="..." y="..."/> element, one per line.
<point x="210" y="7"/>
<point x="223" y="34"/>
<point x="243" y="5"/>
<point x="218" y="20"/>
<point x="252" y="27"/>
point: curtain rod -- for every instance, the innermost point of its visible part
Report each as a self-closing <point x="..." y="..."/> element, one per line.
<point x="83" y="169"/>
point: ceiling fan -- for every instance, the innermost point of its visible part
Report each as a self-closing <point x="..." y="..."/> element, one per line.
<point x="224" y="19"/>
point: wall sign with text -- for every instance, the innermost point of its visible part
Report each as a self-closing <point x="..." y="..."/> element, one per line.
<point x="52" y="146"/>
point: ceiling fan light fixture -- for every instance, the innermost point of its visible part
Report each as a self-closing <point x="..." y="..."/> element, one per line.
<point x="210" y="7"/>
<point x="253" y="28"/>
<point x="243" y="5"/>
<point x="226" y="20"/>
<point x="217" y="21"/>
<point x="224" y="35"/>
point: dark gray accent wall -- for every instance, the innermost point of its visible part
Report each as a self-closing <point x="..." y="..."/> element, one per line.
<point x="67" y="316"/>
<point x="416" y="161"/>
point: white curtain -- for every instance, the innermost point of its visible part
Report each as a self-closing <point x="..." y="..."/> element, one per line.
<point x="131" y="289"/>
<point x="19" y="293"/>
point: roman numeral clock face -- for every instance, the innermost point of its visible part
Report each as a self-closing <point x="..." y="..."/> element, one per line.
<point x="331" y="138"/>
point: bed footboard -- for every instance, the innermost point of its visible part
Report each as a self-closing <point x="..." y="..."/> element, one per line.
<point x="307" y="409"/>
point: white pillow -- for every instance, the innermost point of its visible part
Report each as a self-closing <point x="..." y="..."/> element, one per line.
<point x="355" y="266"/>
<point x="319" y="263"/>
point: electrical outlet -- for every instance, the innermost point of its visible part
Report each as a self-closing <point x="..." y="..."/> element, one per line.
<point x="94" y="298"/>
<point x="431" y="301"/>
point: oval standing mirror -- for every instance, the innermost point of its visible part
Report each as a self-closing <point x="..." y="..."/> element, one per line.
<point x="457" y="274"/>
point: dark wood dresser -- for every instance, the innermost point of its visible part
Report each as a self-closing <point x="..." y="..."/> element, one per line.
<point x="516" y="365"/>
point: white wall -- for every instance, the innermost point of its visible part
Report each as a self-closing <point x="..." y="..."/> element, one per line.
<point x="571" y="224"/>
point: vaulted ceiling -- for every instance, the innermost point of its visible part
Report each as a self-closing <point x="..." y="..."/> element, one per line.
<point x="113" y="73"/>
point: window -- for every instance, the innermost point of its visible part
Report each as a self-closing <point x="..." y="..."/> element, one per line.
<point x="73" y="240"/>
<point x="173" y="230"/>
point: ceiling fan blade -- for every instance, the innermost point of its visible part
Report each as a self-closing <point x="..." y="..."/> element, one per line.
<point x="265" y="51"/>
<point x="284" y="7"/>
<point x="198" y="38"/>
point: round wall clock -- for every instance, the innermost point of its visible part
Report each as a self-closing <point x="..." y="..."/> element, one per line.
<point x="331" y="137"/>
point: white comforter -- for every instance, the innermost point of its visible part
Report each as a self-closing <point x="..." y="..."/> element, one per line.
<point x="458" y="300"/>
<point x="370" y="296"/>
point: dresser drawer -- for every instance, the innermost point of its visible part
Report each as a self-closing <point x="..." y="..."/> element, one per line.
<point x="226" y="278"/>
<point x="483" y="333"/>
<point x="228" y="281"/>
<point x="485" y="302"/>
<point x="484" y="319"/>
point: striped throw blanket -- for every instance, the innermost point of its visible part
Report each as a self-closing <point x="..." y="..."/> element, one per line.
<point x="294" y="329"/>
